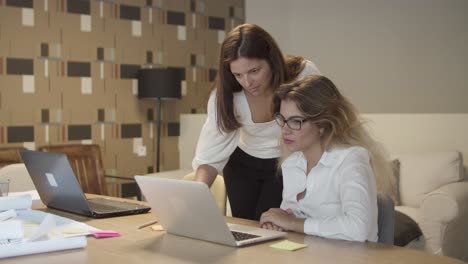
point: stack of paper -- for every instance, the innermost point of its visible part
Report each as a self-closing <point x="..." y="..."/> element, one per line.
<point x="36" y="199"/>
<point x="20" y="202"/>
<point x="24" y="231"/>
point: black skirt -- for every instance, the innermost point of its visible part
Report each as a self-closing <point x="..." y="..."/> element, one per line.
<point x="253" y="185"/>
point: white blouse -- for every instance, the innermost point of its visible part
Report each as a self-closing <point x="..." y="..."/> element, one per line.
<point x="341" y="196"/>
<point x="256" y="139"/>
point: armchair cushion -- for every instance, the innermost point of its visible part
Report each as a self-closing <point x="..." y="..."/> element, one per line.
<point x="423" y="173"/>
<point x="406" y="229"/>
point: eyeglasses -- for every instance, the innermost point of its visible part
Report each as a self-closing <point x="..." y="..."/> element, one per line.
<point x="294" y="123"/>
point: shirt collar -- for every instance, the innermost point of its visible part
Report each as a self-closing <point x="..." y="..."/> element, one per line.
<point x="301" y="161"/>
<point x="327" y="159"/>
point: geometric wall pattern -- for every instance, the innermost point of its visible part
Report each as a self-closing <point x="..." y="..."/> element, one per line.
<point x="68" y="73"/>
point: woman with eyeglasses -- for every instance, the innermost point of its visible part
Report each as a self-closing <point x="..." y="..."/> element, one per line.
<point x="240" y="138"/>
<point x="329" y="163"/>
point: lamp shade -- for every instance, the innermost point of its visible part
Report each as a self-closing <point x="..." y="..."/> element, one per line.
<point x="160" y="83"/>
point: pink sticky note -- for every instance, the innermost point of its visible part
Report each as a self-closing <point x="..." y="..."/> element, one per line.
<point x="105" y="233"/>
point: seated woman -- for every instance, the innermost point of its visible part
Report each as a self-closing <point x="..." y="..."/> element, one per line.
<point x="329" y="163"/>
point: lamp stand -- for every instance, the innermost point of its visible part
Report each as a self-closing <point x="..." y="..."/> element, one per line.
<point x="158" y="140"/>
<point x="160" y="84"/>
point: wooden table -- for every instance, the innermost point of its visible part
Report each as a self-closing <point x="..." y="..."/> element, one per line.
<point x="146" y="246"/>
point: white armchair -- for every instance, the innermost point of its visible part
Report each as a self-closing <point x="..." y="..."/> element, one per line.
<point x="433" y="191"/>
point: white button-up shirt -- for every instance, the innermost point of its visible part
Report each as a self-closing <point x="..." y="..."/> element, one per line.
<point x="341" y="197"/>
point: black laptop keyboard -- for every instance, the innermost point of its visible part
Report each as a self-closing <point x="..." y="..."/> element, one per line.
<point x="238" y="236"/>
<point x="106" y="205"/>
<point x="103" y="207"/>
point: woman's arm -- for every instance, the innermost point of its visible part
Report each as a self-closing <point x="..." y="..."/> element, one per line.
<point x="214" y="147"/>
<point x="206" y="173"/>
<point x="279" y="219"/>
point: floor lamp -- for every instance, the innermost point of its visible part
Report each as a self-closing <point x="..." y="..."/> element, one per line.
<point x="159" y="84"/>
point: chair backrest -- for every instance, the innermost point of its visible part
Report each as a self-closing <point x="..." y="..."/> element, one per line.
<point x="217" y="189"/>
<point x="386" y="219"/>
<point x="10" y="155"/>
<point x="18" y="176"/>
<point x="86" y="163"/>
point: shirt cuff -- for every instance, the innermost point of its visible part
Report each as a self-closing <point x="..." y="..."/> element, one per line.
<point x="219" y="166"/>
<point x="311" y="226"/>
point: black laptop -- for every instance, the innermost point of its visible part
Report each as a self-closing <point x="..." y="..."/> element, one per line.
<point x="59" y="188"/>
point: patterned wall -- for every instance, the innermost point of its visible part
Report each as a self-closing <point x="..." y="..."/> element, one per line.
<point x="68" y="73"/>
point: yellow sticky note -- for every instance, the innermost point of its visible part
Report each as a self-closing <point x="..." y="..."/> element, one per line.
<point x="157" y="228"/>
<point x="288" y="245"/>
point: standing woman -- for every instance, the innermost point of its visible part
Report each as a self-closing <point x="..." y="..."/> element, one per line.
<point x="240" y="137"/>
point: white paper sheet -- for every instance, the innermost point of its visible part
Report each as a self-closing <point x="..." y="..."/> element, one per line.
<point x="42" y="232"/>
<point x="7" y="215"/>
<point x="15" y="202"/>
<point x="64" y="227"/>
<point x="36" y="199"/>
<point x="11" y="230"/>
<point x="20" y="249"/>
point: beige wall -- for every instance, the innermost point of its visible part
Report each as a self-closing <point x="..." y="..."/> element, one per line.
<point x="389" y="56"/>
<point x="403" y="63"/>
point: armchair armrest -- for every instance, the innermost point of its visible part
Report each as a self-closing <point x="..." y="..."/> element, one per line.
<point x="172" y="174"/>
<point x="447" y="202"/>
<point x="110" y="177"/>
<point x="126" y="186"/>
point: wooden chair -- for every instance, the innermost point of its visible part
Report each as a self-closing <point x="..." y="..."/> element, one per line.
<point x="87" y="165"/>
<point x="10" y="155"/>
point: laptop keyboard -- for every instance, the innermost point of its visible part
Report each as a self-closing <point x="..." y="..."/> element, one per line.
<point x="238" y="236"/>
<point x="105" y="205"/>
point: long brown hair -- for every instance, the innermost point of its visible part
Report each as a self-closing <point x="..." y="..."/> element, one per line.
<point x="248" y="41"/>
<point x="320" y="101"/>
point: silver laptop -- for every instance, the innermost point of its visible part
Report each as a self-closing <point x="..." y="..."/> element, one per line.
<point x="59" y="188"/>
<point x="187" y="208"/>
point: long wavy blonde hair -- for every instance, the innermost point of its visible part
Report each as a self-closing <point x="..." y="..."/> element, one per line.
<point x="320" y="101"/>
